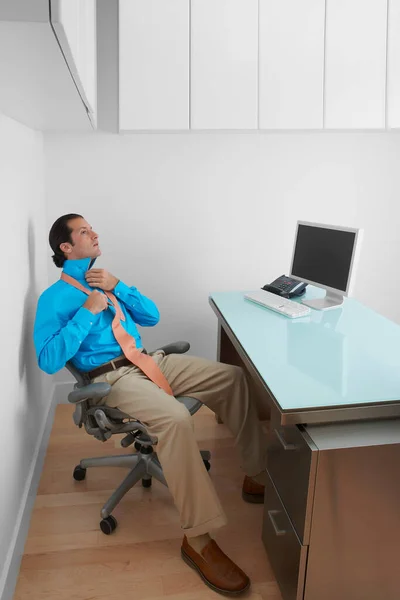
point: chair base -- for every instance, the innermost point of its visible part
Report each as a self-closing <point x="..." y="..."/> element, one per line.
<point x="143" y="465"/>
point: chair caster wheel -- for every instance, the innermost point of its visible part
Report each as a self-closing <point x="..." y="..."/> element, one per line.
<point x="108" y="525"/>
<point x="207" y="464"/>
<point x="79" y="473"/>
<point x="146" y="483"/>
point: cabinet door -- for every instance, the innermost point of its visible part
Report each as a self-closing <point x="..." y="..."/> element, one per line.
<point x="291" y="64"/>
<point x="393" y="83"/>
<point x="292" y="464"/>
<point x="287" y="556"/>
<point x="355" y="63"/>
<point x="153" y="64"/>
<point x="224" y="64"/>
<point x="74" y="23"/>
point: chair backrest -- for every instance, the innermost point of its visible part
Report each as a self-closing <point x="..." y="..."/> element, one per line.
<point x="82" y="416"/>
<point x="77" y="374"/>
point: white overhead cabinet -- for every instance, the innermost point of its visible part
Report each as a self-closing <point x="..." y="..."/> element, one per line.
<point x="153" y="64"/>
<point x="48" y="64"/>
<point x="291" y="69"/>
<point x="355" y="64"/>
<point x="74" y="23"/>
<point x="259" y="64"/>
<point x="224" y="64"/>
<point x="393" y="76"/>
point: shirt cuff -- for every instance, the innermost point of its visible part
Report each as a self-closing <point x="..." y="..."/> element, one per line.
<point x="85" y="318"/>
<point x="122" y="291"/>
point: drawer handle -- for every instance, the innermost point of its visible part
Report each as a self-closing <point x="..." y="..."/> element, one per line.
<point x="284" y="443"/>
<point x="271" y="514"/>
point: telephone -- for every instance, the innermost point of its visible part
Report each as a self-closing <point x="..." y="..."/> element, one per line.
<point x="286" y="287"/>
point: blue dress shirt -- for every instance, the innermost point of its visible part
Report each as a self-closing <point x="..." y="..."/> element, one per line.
<point x="64" y="330"/>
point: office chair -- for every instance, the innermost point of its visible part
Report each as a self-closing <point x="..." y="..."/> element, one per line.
<point x="102" y="422"/>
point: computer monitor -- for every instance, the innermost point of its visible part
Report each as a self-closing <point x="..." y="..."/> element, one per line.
<point x="325" y="256"/>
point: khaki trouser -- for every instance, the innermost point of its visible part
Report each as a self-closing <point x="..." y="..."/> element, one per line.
<point x="224" y="389"/>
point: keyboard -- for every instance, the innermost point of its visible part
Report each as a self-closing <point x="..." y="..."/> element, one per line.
<point x="285" y="307"/>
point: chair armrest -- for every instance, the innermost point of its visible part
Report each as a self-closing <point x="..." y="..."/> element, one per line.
<point x="95" y="391"/>
<point x="175" y="348"/>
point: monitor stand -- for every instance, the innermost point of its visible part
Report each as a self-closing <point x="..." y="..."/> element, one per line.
<point x="331" y="300"/>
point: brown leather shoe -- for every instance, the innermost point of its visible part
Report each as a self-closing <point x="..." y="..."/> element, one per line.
<point x="215" y="568"/>
<point x="252" y="491"/>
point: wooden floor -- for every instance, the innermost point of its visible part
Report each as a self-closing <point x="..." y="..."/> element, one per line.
<point x="67" y="557"/>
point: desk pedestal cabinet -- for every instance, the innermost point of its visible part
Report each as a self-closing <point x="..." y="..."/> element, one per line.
<point x="331" y="524"/>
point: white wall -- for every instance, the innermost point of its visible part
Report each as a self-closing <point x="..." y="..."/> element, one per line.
<point x="182" y="215"/>
<point x="25" y="394"/>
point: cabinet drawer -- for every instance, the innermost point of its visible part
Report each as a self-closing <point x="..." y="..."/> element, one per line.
<point x="292" y="459"/>
<point x="287" y="556"/>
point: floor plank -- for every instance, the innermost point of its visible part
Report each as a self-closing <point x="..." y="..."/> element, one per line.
<point x="66" y="556"/>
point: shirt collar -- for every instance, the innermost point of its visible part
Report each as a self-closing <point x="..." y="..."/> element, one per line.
<point x="77" y="268"/>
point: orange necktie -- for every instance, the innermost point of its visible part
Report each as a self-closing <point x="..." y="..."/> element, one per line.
<point x="126" y="341"/>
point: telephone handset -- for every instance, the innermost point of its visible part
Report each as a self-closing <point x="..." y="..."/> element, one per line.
<point x="286" y="287"/>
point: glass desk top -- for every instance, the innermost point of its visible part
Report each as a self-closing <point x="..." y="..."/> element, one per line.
<point x="342" y="357"/>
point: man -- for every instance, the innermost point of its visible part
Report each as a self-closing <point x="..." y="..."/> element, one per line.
<point x="77" y="319"/>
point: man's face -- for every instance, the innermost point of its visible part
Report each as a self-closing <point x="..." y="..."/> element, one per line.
<point x="85" y="241"/>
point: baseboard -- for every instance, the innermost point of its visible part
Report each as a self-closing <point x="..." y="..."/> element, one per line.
<point x="13" y="561"/>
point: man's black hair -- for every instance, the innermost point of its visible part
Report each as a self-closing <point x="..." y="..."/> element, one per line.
<point x="60" y="233"/>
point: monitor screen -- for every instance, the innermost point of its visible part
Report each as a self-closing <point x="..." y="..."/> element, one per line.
<point x="323" y="255"/>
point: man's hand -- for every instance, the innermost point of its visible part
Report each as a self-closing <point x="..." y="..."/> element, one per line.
<point x="96" y="302"/>
<point x="102" y="279"/>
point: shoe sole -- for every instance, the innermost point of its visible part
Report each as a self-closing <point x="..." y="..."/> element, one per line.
<point x="193" y="565"/>
<point x="253" y="498"/>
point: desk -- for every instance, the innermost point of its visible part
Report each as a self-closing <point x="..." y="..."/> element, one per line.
<point x="332" y="385"/>
<point x="336" y="365"/>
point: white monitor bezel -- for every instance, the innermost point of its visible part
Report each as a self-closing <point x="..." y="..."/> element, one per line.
<point x="354" y="257"/>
